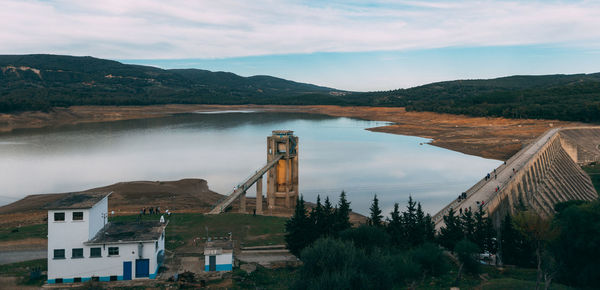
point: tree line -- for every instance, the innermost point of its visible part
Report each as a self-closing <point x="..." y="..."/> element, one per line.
<point x="404" y="249"/>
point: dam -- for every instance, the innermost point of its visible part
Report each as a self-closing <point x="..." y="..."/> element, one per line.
<point x="542" y="174"/>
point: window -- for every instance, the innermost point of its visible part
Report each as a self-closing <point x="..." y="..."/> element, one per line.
<point x="59" y="254"/>
<point x="156" y="246"/>
<point x="95" y="252"/>
<point x="77" y="253"/>
<point x="113" y="278"/>
<point x="59" y="216"/>
<point x="77" y="280"/>
<point x="113" y="251"/>
<point x="77" y="215"/>
<point x="58" y="280"/>
<point x="96" y="279"/>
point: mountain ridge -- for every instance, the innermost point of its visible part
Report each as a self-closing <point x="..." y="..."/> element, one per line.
<point x="42" y="81"/>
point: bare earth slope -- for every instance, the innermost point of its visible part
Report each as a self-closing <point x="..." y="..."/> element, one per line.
<point x="186" y="195"/>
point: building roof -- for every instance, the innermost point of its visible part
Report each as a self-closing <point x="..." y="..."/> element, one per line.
<point x="283" y="132"/>
<point x="78" y="200"/>
<point x="127" y="232"/>
<point x="218" y="247"/>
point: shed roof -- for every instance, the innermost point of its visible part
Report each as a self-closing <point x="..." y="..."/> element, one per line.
<point x="78" y="200"/>
<point x="225" y="245"/>
<point x="126" y="232"/>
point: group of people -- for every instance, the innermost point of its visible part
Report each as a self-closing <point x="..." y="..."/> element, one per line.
<point x="153" y="210"/>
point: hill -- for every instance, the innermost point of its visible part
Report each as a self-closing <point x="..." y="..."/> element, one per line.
<point x="40" y="82"/>
<point x="563" y="97"/>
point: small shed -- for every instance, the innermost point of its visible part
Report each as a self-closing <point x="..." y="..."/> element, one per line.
<point x="218" y="255"/>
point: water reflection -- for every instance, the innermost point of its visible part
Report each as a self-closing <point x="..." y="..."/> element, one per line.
<point x="335" y="154"/>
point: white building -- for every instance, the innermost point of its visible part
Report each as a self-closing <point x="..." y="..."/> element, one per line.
<point x="82" y="246"/>
<point x="218" y="256"/>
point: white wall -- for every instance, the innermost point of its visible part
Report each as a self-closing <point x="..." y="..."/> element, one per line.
<point x="104" y="266"/>
<point x="222" y="259"/>
<point x="97" y="221"/>
<point x="71" y="234"/>
<point x="67" y="234"/>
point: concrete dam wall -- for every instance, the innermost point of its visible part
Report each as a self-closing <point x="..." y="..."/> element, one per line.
<point x="544" y="173"/>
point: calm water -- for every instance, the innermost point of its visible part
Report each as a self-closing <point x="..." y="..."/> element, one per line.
<point x="335" y="154"/>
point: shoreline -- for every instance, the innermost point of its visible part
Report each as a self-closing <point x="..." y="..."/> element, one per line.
<point x="487" y="137"/>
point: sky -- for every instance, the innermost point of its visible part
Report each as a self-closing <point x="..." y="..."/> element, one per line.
<point x="350" y="45"/>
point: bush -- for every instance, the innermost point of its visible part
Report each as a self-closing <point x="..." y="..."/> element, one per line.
<point x="467" y="255"/>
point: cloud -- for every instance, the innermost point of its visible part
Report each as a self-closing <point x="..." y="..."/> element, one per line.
<point x="219" y="29"/>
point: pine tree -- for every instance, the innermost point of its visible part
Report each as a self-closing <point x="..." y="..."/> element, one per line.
<point x="468" y="225"/>
<point x="409" y="217"/>
<point x="490" y="234"/>
<point x="317" y="219"/>
<point x="342" y="215"/>
<point x="429" y="226"/>
<point x="328" y="217"/>
<point x="298" y="229"/>
<point x="484" y="232"/>
<point x="516" y="250"/>
<point x="419" y="237"/>
<point x="395" y="227"/>
<point x="451" y="233"/>
<point x="376" y="218"/>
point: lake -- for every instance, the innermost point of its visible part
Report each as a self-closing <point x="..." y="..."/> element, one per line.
<point x="335" y="154"/>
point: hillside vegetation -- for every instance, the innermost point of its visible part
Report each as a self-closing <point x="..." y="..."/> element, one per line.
<point x="41" y="82"/>
<point x="563" y="97"/>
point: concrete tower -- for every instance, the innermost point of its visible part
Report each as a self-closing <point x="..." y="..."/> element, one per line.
<point x="282" y="179"/>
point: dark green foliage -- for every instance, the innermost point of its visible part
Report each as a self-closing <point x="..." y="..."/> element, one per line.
<point x="318" y="220"/>
<point x="430" y="258"/>
<point x="342" y="214"/>
<point x="516" y="250"/>
<point x="410" y="228"/>
<point x="564" y="97"/>
<point x="467" y="251"/>
<point x="330" y="264"/>
<point x="341" y="264"/>
<point x="299" y="229"/>
<point x="323" y="220"/>
<point x="593" y="170"/>
<point x="452" y="232"/>
<point x="328" y="219"/>
<point x="367" y="237"/>
<point x="484" y="234"/>
<point x="395" y="228"/>
<point x="66" y="81"/>
<point x="467" y="222"/>
<point x="577" y="247"/>
<point x="375" y="219"/>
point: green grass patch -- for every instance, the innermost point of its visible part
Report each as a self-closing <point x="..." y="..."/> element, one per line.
<point x="593" y="170"/>
<point x="248" y="230"/>
<point x="21" y="233"/>
<point x="25" y="271"/>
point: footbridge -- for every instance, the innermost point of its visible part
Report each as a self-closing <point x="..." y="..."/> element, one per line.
<point x="240" y="190"/>
<point x="545" y="172"/>
<point x="282" y="177"/>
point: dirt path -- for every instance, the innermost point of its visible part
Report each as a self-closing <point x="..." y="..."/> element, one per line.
<point x="496" y="138"/>
<point x="9" y="257"/>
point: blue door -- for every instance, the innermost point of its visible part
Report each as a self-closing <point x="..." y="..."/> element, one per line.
<point x="126" y="270"/>
<point x="142" y="268"/>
